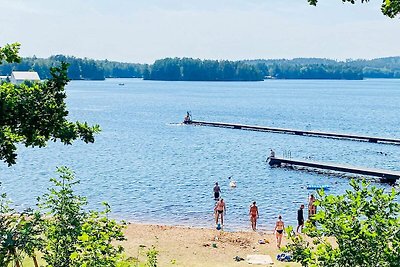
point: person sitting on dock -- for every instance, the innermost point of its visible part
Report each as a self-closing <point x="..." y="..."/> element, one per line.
<point x="187" y="118"/>
<point x="271" y="154"/>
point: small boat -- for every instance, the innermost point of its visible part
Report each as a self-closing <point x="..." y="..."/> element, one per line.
<point x="317" y="187"/>
<point x="121" y="84"/>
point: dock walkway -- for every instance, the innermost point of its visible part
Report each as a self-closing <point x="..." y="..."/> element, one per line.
<point x="371" y="139"/>
<point x="384" y="175"/>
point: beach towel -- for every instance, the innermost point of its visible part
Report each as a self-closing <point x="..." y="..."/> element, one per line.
<point x="259" y="259"/>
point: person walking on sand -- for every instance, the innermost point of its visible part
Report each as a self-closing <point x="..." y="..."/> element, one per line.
<point x="253" y="215"/>
<point x="217" y="191"/>
<point x="220" y="210"/>
<point x="300" y="219"/>
<point x="279" y="228"/>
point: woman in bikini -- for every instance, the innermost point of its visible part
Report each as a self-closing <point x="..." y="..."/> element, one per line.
<point x="220" y="210"/>
<point x="279" y="228"/>
<point x="253" y="215"/>
<point x="312" y="209"/>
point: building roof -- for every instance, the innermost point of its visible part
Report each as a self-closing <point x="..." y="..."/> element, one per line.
<point x="26" y="75"/>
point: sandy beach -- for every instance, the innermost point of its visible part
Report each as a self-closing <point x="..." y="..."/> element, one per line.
<point x="199" y="247"/>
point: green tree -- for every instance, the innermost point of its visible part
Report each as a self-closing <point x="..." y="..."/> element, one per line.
<point x="74" y="236"/>
<point x="95" y="247"/>
<point x="9" y="53"/>
<point x="390" y="8"/>
<point x="65" y="210"/>
<point x="20" y="233"/>
<point x="358" y="228"/>
<point x="33" y="114"/>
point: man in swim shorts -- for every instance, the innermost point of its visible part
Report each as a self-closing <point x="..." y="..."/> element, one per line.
<point x="220" y="210"/>
<point x="253" y="215"/>
<point x="300" y="218"/>
<point x="217" y="191"/>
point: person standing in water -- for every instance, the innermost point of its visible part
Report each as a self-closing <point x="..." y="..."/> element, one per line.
<point x="220" y="210"/>
<point x="217" y="191"/>
<point x="279" y="228"/>
<point x="253" y="215"/>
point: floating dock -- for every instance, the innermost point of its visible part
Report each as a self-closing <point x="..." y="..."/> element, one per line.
<point x="371" y="139"/>
<point x="385" y="176"/>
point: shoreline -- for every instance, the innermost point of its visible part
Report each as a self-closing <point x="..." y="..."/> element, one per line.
<point x="199" y="246"/>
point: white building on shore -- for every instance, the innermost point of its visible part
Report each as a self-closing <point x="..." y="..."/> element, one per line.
<point x="18" y="77"/>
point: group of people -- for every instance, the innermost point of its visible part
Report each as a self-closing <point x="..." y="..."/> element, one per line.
<point x="220" y="211"/>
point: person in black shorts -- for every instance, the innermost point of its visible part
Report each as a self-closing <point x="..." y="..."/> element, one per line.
<point x="300" y="218"/>
<point x="217" y="191"/>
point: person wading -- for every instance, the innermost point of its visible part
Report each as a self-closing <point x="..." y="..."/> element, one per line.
<point x="253" y="215"/>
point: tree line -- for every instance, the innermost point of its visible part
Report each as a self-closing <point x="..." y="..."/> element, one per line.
<point x="189" y="69"/>
<point x="79" y="68"/>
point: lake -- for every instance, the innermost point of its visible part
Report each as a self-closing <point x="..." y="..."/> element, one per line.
<point x="152" y="169"/>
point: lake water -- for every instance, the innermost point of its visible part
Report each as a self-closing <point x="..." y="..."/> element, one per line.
<point x="151" y="169"/>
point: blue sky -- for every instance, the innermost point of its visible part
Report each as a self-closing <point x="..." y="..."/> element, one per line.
<point x="145" y="30"/>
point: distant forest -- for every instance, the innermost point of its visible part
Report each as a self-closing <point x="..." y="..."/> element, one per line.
<point x="188" y="69"/>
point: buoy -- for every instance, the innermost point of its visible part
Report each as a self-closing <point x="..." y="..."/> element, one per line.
<point x="232" y="183"/>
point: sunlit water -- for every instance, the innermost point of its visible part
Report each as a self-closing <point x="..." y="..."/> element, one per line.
<point x="151" y="169"/>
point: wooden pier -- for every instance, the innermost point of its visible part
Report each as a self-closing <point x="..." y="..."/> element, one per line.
<point x="386" y="176"/>
<point x="371" y="139"/>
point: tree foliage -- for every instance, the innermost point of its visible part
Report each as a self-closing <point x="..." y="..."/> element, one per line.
<point x="359" y="228"/>
<point x="19" y="233"/>
<point x="390" y="8"/>
<point x="79" y="68"/>
<point x="188" y="69"/>
<point x="34" y="113"/>
<point x="9" y="53"/>
<point x="74" y="236"/>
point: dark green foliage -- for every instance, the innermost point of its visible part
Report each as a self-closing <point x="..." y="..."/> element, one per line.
<point x="79" y="69"/>
<point x="390" y="8"/>
<point x="359" y="228"/>
<point x="188" y="69"/>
